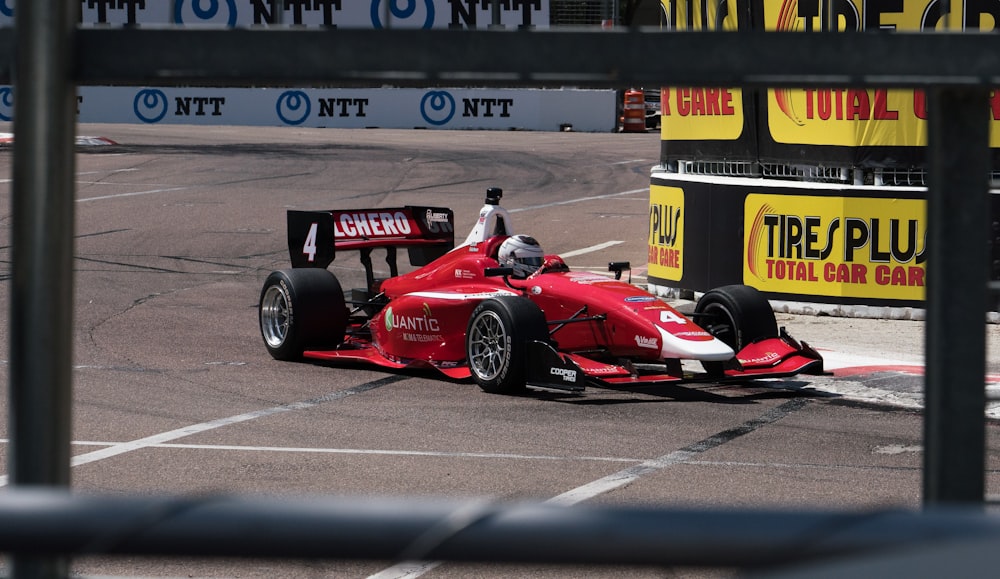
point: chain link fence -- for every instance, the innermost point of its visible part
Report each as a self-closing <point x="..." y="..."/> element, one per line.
<point x="582" y="12"/>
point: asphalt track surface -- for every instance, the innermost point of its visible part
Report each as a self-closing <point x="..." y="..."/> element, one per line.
<point x="177" y="227"/>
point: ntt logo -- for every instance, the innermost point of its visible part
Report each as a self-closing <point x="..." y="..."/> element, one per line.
<point x="205" y="11"/>
<point x="437" y="107"/>
<point x="6" y="104"/>
<point x="293" y="107"/>
<point x="150" y="105"/>
<point x="402" y="13"/>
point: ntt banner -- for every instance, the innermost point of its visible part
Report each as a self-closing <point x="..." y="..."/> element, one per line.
<point x="372" y="14"/>
<point x="496" y="109"/>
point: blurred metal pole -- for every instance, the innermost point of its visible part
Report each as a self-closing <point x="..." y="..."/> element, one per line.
<point x="496" y="22"/>
<point x="48" y="522"/>
<point x="957" y="295"/>
<point x="42" y="287"/>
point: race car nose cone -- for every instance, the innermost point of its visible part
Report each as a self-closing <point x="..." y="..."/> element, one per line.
<point x="709" y="350"/>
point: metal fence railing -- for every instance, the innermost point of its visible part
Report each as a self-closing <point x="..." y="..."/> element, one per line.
<point x="53" y="523"/>
<point x="53" y="57"/>
<point x="581" y="12"/>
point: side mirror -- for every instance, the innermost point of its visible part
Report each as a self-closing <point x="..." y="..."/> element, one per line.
<point x="498" y="271"/>
<point x="618" y="267"/>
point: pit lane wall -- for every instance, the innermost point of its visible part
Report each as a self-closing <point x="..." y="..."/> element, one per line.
<point x="797" y="192"/>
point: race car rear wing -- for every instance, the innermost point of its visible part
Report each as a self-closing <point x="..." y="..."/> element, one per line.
<point x="314" y="237"/>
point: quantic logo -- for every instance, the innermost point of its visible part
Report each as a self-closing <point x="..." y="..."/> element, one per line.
<point x="293" y="107"/>
<point x="5" y="8"/>
<point x="205" y="11"/>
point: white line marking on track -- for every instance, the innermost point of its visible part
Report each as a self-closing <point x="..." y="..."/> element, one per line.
<point x="413" y="569"/>
<point x="590" y="249"/>
<point x="631" y="474"/>
<point x="431" y="453"/>
<point x="165" y="437"/>
<point x="803" y="466"/>
<point x="110" y="172"/>
<point x="132" y="194"/>
<point x="365" y="451"/>
<point x="578" y="200"/>
<point x="406" y="570"/>
<point x="898" y="449"/>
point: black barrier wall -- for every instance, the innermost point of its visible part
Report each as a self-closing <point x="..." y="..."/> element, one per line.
<point x="793" y="241"/>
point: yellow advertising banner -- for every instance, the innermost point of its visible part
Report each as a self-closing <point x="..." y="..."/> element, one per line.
<point x="855" y="247"/>
<point x="872" y="15"/>
<point x="860" y="117"/>
<point x="700" y="15"/>
<point x="666" y="232"/>
<point x="847" y="117"/>
<point x="691" y="114"/>
<point x="694" y="114"/>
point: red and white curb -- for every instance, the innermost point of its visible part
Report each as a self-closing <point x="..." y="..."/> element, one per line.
<point x="8" y="139"/>
<point x="870" y="379"/>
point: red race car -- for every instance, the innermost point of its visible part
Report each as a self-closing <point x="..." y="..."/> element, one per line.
<point x="498" y="310"/>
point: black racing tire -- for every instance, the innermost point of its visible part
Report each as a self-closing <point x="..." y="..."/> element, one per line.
<point x="496" y="342"/>
<point x="738" y="315"/>
<point x="299" y="310"/>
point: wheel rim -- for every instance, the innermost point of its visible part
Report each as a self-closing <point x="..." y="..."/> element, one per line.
<point x="487" y="346"/>
<point x="274" y="316"/>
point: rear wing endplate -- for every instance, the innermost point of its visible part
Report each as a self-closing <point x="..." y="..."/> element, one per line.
<point x="314" y="237"/>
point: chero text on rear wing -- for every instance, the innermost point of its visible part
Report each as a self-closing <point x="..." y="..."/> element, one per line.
<point x="314" y="237"/>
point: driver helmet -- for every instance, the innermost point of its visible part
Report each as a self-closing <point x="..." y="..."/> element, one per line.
<point x="522" y="253"/>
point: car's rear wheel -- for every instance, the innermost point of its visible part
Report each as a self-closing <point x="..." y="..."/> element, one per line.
<point x="737" y="315"/>
<point x="496" y="342"/>
<point x="299" y="310"/>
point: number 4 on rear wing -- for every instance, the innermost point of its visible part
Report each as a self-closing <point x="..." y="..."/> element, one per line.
<point x="314" y="237"/>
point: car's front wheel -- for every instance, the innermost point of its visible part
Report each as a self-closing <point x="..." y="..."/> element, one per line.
<point x="299" y="310"/>
<point x="737" y="315"/>
<point x="496" y="342"/>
